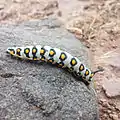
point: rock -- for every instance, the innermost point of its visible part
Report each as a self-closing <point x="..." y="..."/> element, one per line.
<point x="37" y="90"/>
<point x="112" y="88"/>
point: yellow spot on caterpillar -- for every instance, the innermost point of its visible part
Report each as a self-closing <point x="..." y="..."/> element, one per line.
<point x="51" y="52"/>
<point x="87" y="72"/>
<point x="62" y="56"/>
<point x="92" y="74"/>
<point x="73" y="62"/>
<point x="60" y="65"/>
<point x="35" y="58"/>
<point x="81" y="67"/>
<point x="27" y="51"/>
<point x="42" y="51"/>
<point x="18" y="50"/>
<point x="42" y="59"/>
<point x="11" y="52"/>
<point x="50" y="61"/>
<point x="34" y="50"/>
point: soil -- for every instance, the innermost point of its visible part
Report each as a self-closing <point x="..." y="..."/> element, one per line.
<point x="94" y="22"/>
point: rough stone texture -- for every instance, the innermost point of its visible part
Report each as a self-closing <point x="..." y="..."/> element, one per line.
<point x="35" y="91"/>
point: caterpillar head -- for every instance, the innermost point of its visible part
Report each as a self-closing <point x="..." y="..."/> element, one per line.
<point x="93" y="73"/>
<point x="91" y="76"/>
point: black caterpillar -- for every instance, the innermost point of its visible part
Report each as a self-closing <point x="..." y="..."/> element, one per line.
<point x="54" y="56"/>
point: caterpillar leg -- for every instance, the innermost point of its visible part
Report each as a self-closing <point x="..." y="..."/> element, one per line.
<point x="70" y="70"/>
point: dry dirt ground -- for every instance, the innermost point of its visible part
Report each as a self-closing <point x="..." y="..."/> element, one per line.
<point x="97" y="24"/>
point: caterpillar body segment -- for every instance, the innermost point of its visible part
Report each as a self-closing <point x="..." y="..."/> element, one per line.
<point x="54" y="56"/>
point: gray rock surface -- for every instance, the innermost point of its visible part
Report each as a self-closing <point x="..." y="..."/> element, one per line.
<point x="38" y="91"/>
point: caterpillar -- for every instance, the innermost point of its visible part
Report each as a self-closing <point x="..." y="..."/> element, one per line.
<point x="55" y="56"/>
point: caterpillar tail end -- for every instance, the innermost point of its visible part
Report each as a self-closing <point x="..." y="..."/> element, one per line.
<point x="10" y="51"/>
